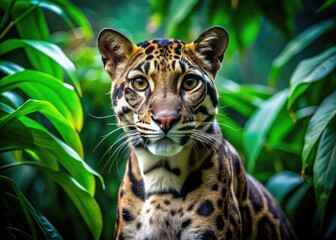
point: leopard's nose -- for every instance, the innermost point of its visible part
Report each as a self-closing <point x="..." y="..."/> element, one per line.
<point x="165" y="121"/>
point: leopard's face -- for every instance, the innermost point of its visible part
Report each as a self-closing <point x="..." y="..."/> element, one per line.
<point x="164" y="97"/>
<point x="163" y="90"/>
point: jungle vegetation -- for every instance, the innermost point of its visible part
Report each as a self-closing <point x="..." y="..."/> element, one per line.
<point x="59" y="167"/>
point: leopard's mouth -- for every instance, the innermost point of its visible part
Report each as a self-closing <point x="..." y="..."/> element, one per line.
<point x="164" y="147"/>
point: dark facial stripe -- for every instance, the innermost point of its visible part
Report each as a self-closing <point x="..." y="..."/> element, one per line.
<point x="138" y="187"/>
<point x="213" y="94"/>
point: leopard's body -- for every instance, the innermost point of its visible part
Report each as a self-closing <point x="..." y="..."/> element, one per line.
<point x="182" y="179"/>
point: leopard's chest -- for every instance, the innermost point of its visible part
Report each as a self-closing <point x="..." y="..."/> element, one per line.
<point x="166" y="217"/>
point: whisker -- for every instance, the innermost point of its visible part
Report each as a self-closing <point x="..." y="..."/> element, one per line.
<point x="101" y="117"/>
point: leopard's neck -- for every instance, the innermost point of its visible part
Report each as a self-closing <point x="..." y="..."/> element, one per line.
<point x="163" y="174"/>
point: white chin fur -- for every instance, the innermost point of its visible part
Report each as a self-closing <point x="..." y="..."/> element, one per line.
<point x="164" y="147"/>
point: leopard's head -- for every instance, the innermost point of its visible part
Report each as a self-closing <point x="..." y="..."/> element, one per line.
<point x="163" y="90"/>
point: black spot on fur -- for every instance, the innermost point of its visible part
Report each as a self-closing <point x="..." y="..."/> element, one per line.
<point x="162" y="42"/>
<point x="167" y="202"/>
<point x="266" y="230"/>
<point x="207" y="235"/>
<point x="193" y="181"/>
<point x="138" y="225"/>
<point x="127" y="215"/>
<point x="150" y="57"/>
<point x="190" y="207"/>
<point x="146" y="67"/>
<point x="207" y="163"/>
<point x="228" y="234"/>
<point x="206" y="208"/>
<point x="246" y="222"/>
<point x="255" y="198"/>
<point x="214" y="187"/>
<point x="186" y="223"/>
<point x="143" y="44"/>
<point x="220" y="203"/>
<point x="118" y="93"/>
<point x="224" y="190"/>
<point x="219" y="222"/>
<point x="150" y="49"/>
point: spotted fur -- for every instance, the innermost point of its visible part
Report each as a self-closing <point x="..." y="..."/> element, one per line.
<point x="182" y="180"/>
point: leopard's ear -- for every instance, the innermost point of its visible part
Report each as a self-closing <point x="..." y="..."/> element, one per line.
<point x="210" y="47"/>
<point x="115" y="49"/>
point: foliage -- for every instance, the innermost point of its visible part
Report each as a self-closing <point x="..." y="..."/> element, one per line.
<point x="277" y="97"/>
<point x="41" y="115"/>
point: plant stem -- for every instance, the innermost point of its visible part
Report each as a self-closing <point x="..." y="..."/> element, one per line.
<point x="7" y="14"/>
<point x="18" y="19"/>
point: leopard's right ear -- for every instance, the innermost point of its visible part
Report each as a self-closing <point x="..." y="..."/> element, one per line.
<point x="115" y="49"/>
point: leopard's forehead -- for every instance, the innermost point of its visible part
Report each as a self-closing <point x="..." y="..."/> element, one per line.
<point x="161" y="43"/>
<point x="162" y="49"/>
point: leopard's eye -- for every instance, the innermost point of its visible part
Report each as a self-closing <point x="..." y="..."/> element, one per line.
<point x="189" y="83"/>
<point x="140" y="84"/>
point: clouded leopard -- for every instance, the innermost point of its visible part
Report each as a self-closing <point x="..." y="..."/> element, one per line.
<point x="183" y="180"/>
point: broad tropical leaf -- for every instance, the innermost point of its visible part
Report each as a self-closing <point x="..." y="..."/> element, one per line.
<point x="282" y="183"/>
<point x="41" y="86"/>
<point x="27" y="134"/>
<point x="63" y="127"/>
<point x="48" y="49"/>
<point x="296" y="45"/>
<point x="258" y="126"/>
<point x="310" y="71"/>
<point x="325" y="167"/>
<point x="323" y="116"/>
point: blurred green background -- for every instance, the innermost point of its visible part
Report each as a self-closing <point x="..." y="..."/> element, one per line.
<point x="277" y="106"/>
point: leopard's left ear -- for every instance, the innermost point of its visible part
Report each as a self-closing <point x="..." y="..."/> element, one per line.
<point x="210" y="47"/>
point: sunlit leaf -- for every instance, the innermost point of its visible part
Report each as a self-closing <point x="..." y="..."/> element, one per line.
<point x="325" y="167"/>
<point x="296" y="45"/>
<point x="310" y="71"/>
<point x="41" y="86"/>
<point x="8" y="67"/>
<point x="48" y="49"/>
<point x="324" y="114"/>
<point x="69" y="135"/>
<point x="28" y="134"/>
<point x="258" y="126"/>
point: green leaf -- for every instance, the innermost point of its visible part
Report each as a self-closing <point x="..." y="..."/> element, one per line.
<point x="69" y="135"/>
<point x="258" y="126"/>
<point x="48" y="49"/>
<point x="41" y="86"/>
<point x="310" y="71"/>
<point x="8" y="67"/>
<point x="325" y="168"/>
<point x="282" y="183"/>
<point x="296" y="199"/>
<point x="177" y="13"/>
<point x="324" y="114"/>
<point x="28" y="134"/>
<point x="83" y="200"/>
<point x="69" y="10"/>
<point x="296" y="45"/>
<point x="22" y="201"/>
